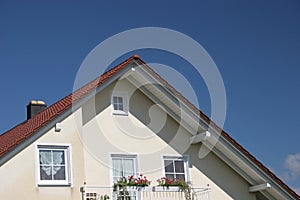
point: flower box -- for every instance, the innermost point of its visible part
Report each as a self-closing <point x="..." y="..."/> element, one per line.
<point x="167" y="189"/>
<point x="124" y="182"/>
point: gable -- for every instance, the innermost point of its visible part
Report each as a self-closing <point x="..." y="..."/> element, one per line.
<point x="227" y="149"/>
<point x="22" y="132"/>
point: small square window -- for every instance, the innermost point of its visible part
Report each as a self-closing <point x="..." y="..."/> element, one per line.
<point x="119" y="103"/>
<point x="53" y="165"/>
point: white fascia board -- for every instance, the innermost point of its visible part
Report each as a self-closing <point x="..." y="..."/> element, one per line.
<point x="261" y="174"/>
<point x="259" y="187"/>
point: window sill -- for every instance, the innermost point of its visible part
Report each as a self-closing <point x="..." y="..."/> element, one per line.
<point x="54" y="185"/>
<point x="120" y="113"/>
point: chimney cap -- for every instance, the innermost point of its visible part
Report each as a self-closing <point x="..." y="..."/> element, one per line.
<point x="37" y="102"/>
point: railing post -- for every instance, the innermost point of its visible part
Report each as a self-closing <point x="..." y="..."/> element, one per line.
<point x="151" y="192"/>
<point x="83" y="190"/>
<point x="208" y="192"/>
<point x="139" y="193"/>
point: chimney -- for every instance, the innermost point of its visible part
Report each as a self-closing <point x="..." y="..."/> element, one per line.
<point x="34" y="107"/>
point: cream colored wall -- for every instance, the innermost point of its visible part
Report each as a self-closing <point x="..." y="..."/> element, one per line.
<point x="18" y="175"/>
<point x="150" y="136"/>
<point x="95" y="134"/>
<point x="218" y="175"/>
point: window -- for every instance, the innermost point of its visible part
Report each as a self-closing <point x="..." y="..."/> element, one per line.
<point x="176" y="167"/>
<point x="124" y="165"/>
<point x="119" y="103"/>
<point x="53" y="165"/>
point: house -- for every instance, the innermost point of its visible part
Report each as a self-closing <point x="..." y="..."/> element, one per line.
<point x="127" y="122"/>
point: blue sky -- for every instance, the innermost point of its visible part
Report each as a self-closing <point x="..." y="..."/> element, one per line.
<point x="255" y="45"/>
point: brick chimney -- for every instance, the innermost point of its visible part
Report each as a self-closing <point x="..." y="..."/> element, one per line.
<point x="34" y="107"/>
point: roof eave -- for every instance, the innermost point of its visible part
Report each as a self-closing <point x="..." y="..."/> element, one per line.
<point x="254" y="166"/>
<point x="262" y="172"/>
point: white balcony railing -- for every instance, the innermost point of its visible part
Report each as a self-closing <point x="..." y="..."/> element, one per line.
<point x="147" y="193"/>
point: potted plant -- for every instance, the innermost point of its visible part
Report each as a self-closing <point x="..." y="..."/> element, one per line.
<point x="139" y="182"/>
<point x="182" y="185"/>
<point x="131" y="181"/>
<point x="121" y="185"/>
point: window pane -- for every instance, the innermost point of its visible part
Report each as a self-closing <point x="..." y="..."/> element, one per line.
<point x="117" y="169"/>
<point x="179" y="166"/>
<point x="180" y="176"/>
<point x="120" y="99"/>
<point x="121" y="107"/>
<point x="170" y="176"/>
<point x="59" y="173"/>
<point x="116" y="107"/>
<point x="169" y="166"/>
<point x="115" y="100"/>
<point x="45" y="157"/>
<point x="58" y="157"/>
<point x="128" y="167"/>
<point x="45" y="164"/>
<point x="45" y="173"/>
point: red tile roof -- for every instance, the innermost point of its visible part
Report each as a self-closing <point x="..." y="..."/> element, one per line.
<point x="10" y="139"/>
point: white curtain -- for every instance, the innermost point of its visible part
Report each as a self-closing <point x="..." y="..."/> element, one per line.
<point x="122" y="167"/>
<point x="117" y="169"/>
<point x="128" y="167"/>
<point x="49" y="159"/>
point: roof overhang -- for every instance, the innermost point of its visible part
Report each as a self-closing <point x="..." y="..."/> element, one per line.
<point x="203" y="130"/>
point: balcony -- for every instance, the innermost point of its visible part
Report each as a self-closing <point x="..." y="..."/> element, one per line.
<point x="146" y="193"/>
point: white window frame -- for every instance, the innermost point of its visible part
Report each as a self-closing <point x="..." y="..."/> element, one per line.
<point x="186" y="162"/>
<point x="67" y="148"/>
<point x="132" y="194"/>
<point x="124" y="96"/>
<point x="125" y="156"/>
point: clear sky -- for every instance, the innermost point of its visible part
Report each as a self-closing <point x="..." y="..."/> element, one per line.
<point x="255" y="45"/>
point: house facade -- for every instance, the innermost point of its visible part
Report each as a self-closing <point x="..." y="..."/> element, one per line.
<point x="128" y="122"/>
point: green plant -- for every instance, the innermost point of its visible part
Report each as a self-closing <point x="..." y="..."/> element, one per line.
<point x="141" y="181"/>
<point x="185" y="187"/>
<point x="121" y="183"/>
<point x="104" y="197"/>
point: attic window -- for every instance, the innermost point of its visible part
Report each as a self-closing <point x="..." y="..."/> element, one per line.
<point x="119" y="102"/>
